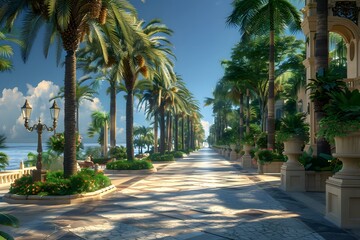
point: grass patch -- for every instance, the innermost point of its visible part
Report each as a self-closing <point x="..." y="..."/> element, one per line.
<point x="84" y="181"/>
<point x="129" y="165"/>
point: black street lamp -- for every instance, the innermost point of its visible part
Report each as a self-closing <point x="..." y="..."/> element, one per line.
<point x="38" y="174"/>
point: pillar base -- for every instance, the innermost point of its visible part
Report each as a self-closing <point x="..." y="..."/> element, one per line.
<point x="233" y="155"/>
<point x="245" y="161"/>
<point x="39" y="175"/>
<point x="293" y="178"/>
<point x="343" y="202"/>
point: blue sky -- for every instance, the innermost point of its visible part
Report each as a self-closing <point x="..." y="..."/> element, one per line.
<point x="201" y="40"/>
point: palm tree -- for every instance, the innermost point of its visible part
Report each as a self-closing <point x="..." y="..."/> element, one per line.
<point x="141" y="133"/>
<point x="258" y="17"/>
<point x="6" y="51"/>
<point x="68" y="22"/>
<point x="147" y="55"/>
<point x="99" y="124"/>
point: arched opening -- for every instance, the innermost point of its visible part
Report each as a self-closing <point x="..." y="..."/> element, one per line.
<point x="338" y="54"/>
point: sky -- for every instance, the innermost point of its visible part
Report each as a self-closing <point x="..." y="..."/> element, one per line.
<point x="201" y="39"/>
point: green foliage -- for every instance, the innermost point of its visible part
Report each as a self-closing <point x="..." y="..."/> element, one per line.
<point x="178" y="154"/>
<point x="84" y="181"/>
<point x="118" y="152"/>
<point x="267" y="156"/>
<point x="57" y="142"/>
<point x="342" y="114"/>
<point x="321" y="87"/>
<point x="95" y="152"/>
<point x="129" y="165"/>
<point x="7" y="220"/>
<point x="264" y="156"/>
<point x="248" y="139"/>
<point x="4" y="160"/>
<point x="293" y="126"/>
<point x="261" y="141"/>
<point x="290" y="106"/>
<point x="323" y="162"/>
<point x="161" y="158"/>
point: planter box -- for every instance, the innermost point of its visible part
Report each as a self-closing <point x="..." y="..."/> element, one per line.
<point x="273" y="167"/>
<point x="316" y="181"/>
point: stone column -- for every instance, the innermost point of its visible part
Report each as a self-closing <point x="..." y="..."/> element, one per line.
<point x="343" y="189"/>
<point x="233" y="153"/>
<point x="292" y="172"/>
<point x="245" y="161"/>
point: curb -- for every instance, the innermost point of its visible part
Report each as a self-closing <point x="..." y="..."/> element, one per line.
<point x="56" y="200"/>
<point x="143" y="171"/>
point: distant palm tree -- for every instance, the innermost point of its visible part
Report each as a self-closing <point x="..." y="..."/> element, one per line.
<point x="147" y="55"/>
<point x="265" y="16"/>
<point x="99" y="125"/>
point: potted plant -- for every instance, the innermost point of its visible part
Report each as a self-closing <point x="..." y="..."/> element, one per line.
<point x="248" y="142"/>
<point x="341" y="126"/>
<point x="322" y="86"/>
<point x="294" y="132"/>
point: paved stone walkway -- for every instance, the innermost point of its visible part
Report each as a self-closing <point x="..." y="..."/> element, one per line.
<point x="201" y="197"/>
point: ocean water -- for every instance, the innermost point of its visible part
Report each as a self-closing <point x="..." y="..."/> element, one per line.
<point x="18" y="152"/>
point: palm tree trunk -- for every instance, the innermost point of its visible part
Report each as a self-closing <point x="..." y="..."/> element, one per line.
<point x="70" y="167"/>
<point x="156" y="122"/>
<point x="271" y="98"/>
<point x="176" y="137"/>
<point x="321" y="62"/>
<point x="241" y="112"/>
<point x="162" y="129"/>
<point x="77" y="117"/>
<point x="105" y="139"/>
<point x="182" y="133"/>
<point x="129" y="124"/>
<point x="112" y="114"/>
<point x="188" y="141"/>
<point x="248" y="111"/>
<point x="169" y="131"/>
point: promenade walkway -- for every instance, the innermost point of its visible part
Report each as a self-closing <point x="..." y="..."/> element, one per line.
<point x="201" y="197"/>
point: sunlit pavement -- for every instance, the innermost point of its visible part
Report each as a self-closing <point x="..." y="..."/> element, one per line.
<point x="202" y="196"/>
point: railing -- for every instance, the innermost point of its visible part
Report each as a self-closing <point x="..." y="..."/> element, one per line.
<point x="352" y="83"/>
<point x="11" y="175"/>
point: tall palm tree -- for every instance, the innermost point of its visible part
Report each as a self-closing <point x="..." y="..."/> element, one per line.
<point x="149" y="53"/>
<point x="68" y="22"/>
<point x="265" y="16"/>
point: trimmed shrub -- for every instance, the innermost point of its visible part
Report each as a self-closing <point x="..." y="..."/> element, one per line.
<point x="161" y="158"/>
<point x="86" y="180"/>
<point x="129" y="165"/>
<point x="118" y="152"/>
<point x="178" y="154"/>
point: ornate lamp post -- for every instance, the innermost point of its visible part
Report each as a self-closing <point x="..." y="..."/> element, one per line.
<point x="38" y="174"/>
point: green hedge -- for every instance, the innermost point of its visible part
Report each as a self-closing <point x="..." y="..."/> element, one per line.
<point x="129" y="165"/>
<point x="178" y="154"/>
<point x="84" y="181"/>
<point x="161" y="158"/>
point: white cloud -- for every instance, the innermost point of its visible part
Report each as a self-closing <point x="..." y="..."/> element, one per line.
<point x="206" y="126"/>
<point x="12" y="123"/>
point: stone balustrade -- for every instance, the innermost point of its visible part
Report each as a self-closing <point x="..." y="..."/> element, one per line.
<point x="352" y="83"/>
<point x="10" y="176"/>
